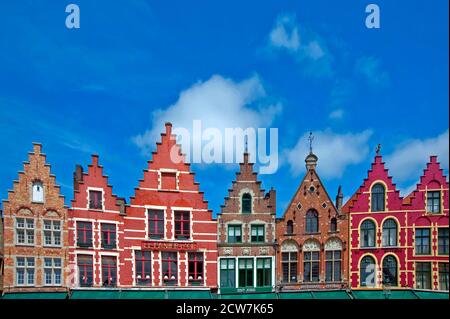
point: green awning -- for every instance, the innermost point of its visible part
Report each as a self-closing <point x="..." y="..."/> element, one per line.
<point x="295" y="295"/>
<point x="189" y="294"/>
<point x="142" y="294"/>
<point x="334" y="294"/>
<point x="432" y="294"/>
<point x="370" y="294"/>
<point x="402" y="294"/>
<point x="95" y="294"/>
<point x="35" y="295"/>
<point x="250" y="296"/>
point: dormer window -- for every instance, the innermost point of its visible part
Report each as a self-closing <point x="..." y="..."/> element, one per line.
<point x="37" y="192"/>
<point x="246" y="203"/>
<point x="95" y="199"/>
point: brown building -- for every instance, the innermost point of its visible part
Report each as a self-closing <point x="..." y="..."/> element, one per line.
<point x="35" y="230"/>
<point x="246" y="233"/>
<point x="312" y="237"/>
<point x="1" y="252"/>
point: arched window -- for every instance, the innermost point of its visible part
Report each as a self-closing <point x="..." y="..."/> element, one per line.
<point x="333" y="224"/>
<point x="390" y="271"/>
<point x="367" y="270"/>
<point x="377" y="198"/>
<point x="367" y="233"/>
<point x="389" y="233"/>
<point x="37" y="192"/>
<point x="290" y="227"/>
<point x="246" y="203"/>
<point x="333" y="260"/>
<point x="312" y="221"/>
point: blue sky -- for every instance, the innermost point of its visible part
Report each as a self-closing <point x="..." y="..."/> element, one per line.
<point x="298" y="66"/>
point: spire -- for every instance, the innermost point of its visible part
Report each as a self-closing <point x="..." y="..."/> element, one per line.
<point x="310" y="139"/>
<point x="339" y="199"/>
<point x="311" y="159"/>
<point x="378" y="150"/>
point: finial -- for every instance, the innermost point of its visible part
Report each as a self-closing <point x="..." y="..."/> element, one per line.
<point x="246" y="143"/>
<point x="310" y="139"/>
<point x="378" y="149"/>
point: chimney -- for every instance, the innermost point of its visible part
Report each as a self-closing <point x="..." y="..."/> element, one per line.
<point x="168" y="128"/>
<point x="121" y="202"/>
<point x="339" y="198"/>
<point x="77" y="176"/>
<point x="273" y="199"/>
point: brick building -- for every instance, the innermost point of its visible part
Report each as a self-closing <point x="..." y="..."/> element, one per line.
<point x="246" y="230"/>
<point x="1" y="251"/>
<point x="312" y="237"/>
<point x="96" y="229"/>
<point x="170" y="235"/>
<point x="35" y="230"/>
<point x="399" y="242"/>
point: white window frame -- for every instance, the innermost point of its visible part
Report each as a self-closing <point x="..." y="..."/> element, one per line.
<point x="25" y="268"/>
<point x="53" y="269"/>
<point x="52" y="232"/>
<point x="26" y="229"/>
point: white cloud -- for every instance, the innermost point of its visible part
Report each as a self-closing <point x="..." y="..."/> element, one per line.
<point x="285" y="33"/>
<point x="371" y="70"/>
<point x="336" y="114"/>
<point x="335" y="152"/>
<point x="410" y="158"/>
<point x="218" y="103"/>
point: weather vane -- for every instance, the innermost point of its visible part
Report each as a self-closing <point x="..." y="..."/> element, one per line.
<point x="310" y="139"/>
<point x="378" y="149"/>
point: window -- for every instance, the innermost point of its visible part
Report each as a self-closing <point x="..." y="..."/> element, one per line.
<point x="156" y="224"/>
<point x="170" y="268"/>
<point x="234" y="234"/>
<point x="443" y="276"/>
<point x="168" y="180"/>
<point x="367" y="272"/>
<point x="263" y="272"/>
<point x="389" y="233"/>
<point x="423" y="275"/>
<point x="246" y="203"/>
<point x="258" y="233"/>
<point x="443" y="241"/>
<point x="333" y="225"/>
<point x="377" y="198"/>
<point x="422" y="239"/>
<point x="434" y="202"/>
<point x="333" y="265"/>
<point x="367" y="234"/>
<point x="312" y="221"/>
<point x="311" y="266"/>
<point x="109" y="271"/>
<point x="37" y="192"/>
<point x="95" y="200"/>
<point x="52" y="271"/>
<point x="195" y="267"/>
<point x="227" y="273"/>
<point x="85" y="270"/>
<point x="182" y="225"/>
<point x="143" y="264"/>
<point x="245" y="272"/>
<point x="108" y="236"/>
<point x="52" y="233"/>
<point x="290" y="227"/>
<point x="289" y="266"/>
<point x="25" y="271"/>
<point x="84" y="234"/>
<point x="390" y="277"/>
<point x="25" y="231"/>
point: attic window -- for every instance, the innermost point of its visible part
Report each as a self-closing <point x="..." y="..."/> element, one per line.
<point x="299" y="206"/>
<point x="95" y="199"/>
<point x="168" y="180"/>
<point x="324" y="205"/>
<point x="312" y="189"/>
<point x="38" y="192"/>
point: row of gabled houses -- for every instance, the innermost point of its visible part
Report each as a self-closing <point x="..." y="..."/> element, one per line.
<point x="165" y="237"/>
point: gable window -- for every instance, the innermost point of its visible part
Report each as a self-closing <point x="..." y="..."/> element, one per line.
<point x="367" y="234"/>
<point x="25" y="271"/>
<point x="37" y="192"/>
<point x="169" y="268"/>
<point x="312" y="221"/>
<point x="195" y="267"/>
<point x="84" y="234"/>
<point x="443" y="276"/>
<point x="109" y="271"/>
<point x="95" y="199"/>
<point x="422" y="238"/>
<point x="168" y="180"/>
<point x="234" y="234"/>
<point x="182" y="225"/>
<point x="52" y="271"/>
<point x="143" y="269"/>
<point x="246" y="203"/>
<point x="25" y="231"/>
<point x="443" y="241"/>
<point x="389" y="233"/>
<point x="390" y="271"/>
<point x="333" y="225"/>
<point x="434" y="202"/>
<point x="245" y="272"/>
<point x="156" y="224"/>
<point x="289" y="227"/>
<point x="227" y="273"/>
<point x="108" y="236"/>
<point x="289" y="266"/>
<point x="52" y="233"/>
<point x="85" y="270"/>
<point x="367" y="272"/>
<point x="263" y="272"/>
<point x="257" y="233"/>
<point x="377" y="198"/>
<point x="423" y="275"/>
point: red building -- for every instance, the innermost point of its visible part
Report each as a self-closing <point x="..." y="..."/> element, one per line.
<point x="170" y="235"/>
<point x="398" y="242"/>
<point x="96" y="229"/>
